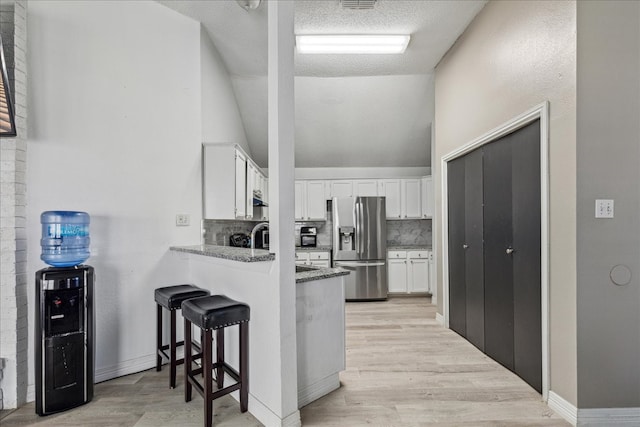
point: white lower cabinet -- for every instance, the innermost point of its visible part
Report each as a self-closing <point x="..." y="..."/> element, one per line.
<point x="313" y="258"/>
<point x="409" y="271"/>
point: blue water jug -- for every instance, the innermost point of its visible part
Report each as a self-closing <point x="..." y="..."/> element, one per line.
<point x="65" y="238"/>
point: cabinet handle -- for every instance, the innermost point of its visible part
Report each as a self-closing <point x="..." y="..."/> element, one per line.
<point x="465" y="246"/>
<point x="509" y="251"/>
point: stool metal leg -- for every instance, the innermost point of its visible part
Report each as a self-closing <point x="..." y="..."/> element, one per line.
<point x="159" y="338"/>
<point x="187" y="360"/>
<point x="244" y="366"/>
<point x="220" y="357"/>
<point x="172" y="347"/>
<point x="208" y="380"/>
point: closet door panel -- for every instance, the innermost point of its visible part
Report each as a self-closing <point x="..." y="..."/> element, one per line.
<point x="456" y="220"/>
<point x="498" y="269"/>
<point x="474" y="265"/>
<point x="526" y="257"/>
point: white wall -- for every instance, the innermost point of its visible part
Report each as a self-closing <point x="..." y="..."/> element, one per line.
<point x="221" y="120"/>
<point x="608" y="157"/>
<point x="115" y="131"/>
<point x="514" y="56"/>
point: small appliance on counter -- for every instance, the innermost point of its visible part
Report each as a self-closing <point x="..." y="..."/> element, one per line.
<point x="308" y="237"/>
<point x="262" y="239"/>
<point x="239" y="240"/>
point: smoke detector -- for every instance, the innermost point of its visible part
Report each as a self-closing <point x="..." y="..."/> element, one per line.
<point x="358" y="4"/>
<point x="248" y="4"/>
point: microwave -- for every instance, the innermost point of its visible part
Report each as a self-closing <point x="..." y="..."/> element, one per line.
<point x="308" y="237"/>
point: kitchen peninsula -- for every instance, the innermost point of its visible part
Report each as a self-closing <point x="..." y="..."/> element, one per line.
<point x="248" y="275"/>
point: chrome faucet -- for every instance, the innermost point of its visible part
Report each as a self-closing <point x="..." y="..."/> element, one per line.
<point x="255" y="229"/>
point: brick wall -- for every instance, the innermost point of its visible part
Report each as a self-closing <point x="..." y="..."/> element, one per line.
<point x="13" y="242"/>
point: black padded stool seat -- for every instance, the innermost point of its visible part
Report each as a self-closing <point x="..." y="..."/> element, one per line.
<point x="171" y="298"/>
<point x="215" y="312"/>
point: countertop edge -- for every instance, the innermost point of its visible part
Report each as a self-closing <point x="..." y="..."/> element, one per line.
<point x="227" y="252"/>
<point x="320" y="274"/>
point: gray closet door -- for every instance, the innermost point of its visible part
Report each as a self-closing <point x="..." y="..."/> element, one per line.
<point x="456" y="221"/>
<point x="526" y="256"/>
<point x="494" y="251"/>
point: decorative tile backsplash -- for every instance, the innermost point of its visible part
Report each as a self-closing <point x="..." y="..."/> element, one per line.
<point x="217" y="232"/>
<point x="399" y="232"/>
<point x="409" y="232"/>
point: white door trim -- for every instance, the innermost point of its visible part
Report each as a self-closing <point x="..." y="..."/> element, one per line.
<point x="540" y="112"/>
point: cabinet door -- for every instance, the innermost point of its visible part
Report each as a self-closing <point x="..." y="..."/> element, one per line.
<point x="316" y="202"/>
<point x="411" y="200"/>
<point x="252" y="176"/>
<point x="431" y="273"/>
<point x="342" y="188"/>
<point x="390" y="189"/>
<point x="418" y="275"/>
<point x="397" y="275"/>
<point x="300" y="200"/>
<point x="365" y="187"/>
<point x="241" y="186"/>
<point x="427" y="197"/>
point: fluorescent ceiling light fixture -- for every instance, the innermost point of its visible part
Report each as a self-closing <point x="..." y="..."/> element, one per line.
<point x="352" y="44"/>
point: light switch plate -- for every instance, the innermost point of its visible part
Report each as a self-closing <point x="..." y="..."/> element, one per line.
<point x="604" y="208"/>
<point x="182" y="220"/>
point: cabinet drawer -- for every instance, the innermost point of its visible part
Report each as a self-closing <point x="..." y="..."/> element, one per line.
<point x="419" y="254"/>
<point x="318" y="255"/>
<point x="397" y="254"/>
<point x="302" y="256"/>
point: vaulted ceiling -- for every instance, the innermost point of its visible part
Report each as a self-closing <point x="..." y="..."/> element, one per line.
<point x="351" y="110"/>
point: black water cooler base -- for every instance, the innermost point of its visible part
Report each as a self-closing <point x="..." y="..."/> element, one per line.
<point x="64" y="344"/>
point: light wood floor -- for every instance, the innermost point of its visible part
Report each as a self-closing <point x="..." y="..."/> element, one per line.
<point x="403" y="369"/>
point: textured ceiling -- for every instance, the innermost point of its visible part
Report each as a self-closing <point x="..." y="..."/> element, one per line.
<point x="351" y="110"/>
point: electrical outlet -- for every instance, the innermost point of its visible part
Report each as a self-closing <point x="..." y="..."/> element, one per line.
<point x="604" y="208"/>
<point x="182" y="220"/>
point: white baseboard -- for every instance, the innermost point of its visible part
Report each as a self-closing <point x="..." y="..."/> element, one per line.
<point x="440" y="319"/>
<point x="565" y="409"/>
<point x="593" y="417"/>
<point x="318" y="389"/>
<point x="267" y="417"/>
<point x="126" y="367"/>
<point x="597" y="417"/>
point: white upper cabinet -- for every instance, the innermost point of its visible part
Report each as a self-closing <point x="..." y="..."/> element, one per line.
<point x="365" y="187"/>
<point x="342" y="188"/>
<point x="427" y="197"/>
<point x="252" y="180"/>
<point x="411" y="200"/>
<point x="310" y="200"/>
<point x="390" y="189"/>
<point x="229" y="178"/>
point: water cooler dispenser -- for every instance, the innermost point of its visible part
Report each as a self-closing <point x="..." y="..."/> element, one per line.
<point x="64" y="319"/>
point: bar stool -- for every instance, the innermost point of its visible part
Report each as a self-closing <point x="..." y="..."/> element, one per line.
<point x="171" y="298"/>
<point x="215" y="312"/>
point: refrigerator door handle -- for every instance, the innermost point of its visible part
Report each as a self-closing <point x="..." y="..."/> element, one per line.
<point x="358" y="224"/>
<point x="358" y="264"/>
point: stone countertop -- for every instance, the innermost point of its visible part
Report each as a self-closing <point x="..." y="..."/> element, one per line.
<point x="227" y="252"/>
<point x="409" y="248"/>
<point x="308" y="274"/>
<point x="314" y="249"/>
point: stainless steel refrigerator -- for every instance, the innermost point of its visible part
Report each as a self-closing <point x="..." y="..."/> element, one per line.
<point x="360" y="246"/>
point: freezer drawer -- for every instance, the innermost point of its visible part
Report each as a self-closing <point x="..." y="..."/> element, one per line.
<point x="367" y="281"/>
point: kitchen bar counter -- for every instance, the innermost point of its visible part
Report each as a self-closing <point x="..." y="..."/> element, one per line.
<point x="409" y="248"/>
<point x="314" y="248"/>
<point x="308" y="274"/>
<point x="227" y="252"/>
